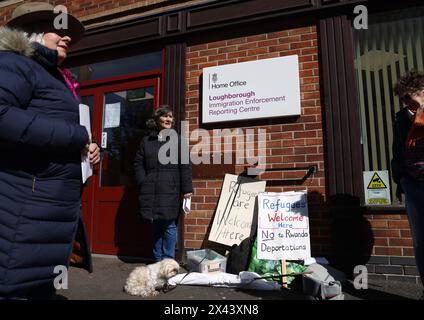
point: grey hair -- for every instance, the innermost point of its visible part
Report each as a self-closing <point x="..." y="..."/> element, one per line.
<point x="36" y="37"/>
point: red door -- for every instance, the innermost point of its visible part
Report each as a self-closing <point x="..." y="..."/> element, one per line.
<point x="110" y="200"/>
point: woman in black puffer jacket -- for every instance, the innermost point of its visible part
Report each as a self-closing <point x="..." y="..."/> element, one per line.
<point x="161" y="181"/>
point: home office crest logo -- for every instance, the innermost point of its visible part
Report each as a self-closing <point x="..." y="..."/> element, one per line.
<point x="214" y="78"/>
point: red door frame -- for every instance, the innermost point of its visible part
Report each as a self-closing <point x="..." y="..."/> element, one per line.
<point x="93" y="193"/>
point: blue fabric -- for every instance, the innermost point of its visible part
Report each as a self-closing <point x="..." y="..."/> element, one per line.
<point x="38" y="116"/>
<point x="414" y="193"/>
<point x="40" y="173"/>
<point x="414" y="160"/>
<point x="164" y="239"/>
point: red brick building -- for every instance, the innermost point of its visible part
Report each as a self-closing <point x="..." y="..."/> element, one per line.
<point x="346" y="76"/>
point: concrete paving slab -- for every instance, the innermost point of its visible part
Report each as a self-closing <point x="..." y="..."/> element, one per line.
<point x="110" y="274"/>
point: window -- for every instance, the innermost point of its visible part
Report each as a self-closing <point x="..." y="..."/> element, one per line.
<point x="124" y="124"/>
<point x="392" y="45"/>
<point x="118" y="67"/>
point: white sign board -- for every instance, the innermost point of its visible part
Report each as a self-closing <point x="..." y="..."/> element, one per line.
<point x="234" y="214"/>
<point x="283" y="226"/>
<point x="251" y="90"/>
<point x="377" y="188"/>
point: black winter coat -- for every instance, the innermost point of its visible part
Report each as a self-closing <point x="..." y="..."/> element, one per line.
<point x="401" y="128"/>
<point x="40" y="165"/>
<point x="160" y="185"/>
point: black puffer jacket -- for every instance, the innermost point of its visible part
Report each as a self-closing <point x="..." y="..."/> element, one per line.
<point x="160" y="185"/>
<point x="401" y="128"/>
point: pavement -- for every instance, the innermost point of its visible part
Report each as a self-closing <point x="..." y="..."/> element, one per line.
<point x="110" y="274"/>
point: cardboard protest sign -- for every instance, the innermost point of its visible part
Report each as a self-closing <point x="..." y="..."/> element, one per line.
<point x="234" y="214"/>
<point x="283" y="226"/>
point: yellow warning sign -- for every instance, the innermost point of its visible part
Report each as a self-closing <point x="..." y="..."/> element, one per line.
<point x="376" y="182"/>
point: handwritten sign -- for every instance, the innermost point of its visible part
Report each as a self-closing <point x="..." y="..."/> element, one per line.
<point x="234" y="214"/>
<point x="283" y="226"/>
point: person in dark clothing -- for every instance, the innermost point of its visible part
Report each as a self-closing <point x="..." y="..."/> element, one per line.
<point x="162" y="177"/>
<point x="408" y="157"/>
<point x="41" y="142"/>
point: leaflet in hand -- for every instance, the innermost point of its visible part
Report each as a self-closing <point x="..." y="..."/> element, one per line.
<point x="186" y="205"/>
<point x="86" y="169"/>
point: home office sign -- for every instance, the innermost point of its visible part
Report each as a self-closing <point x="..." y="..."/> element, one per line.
<point x="251" y="90"/>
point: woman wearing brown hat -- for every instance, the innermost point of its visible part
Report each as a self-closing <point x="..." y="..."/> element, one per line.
<point x="41" y="143"/>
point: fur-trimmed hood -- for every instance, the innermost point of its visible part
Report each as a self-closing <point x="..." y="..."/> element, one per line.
<point x="16" y="41"/>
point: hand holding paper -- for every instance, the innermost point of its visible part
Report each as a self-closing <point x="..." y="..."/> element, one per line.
<point x="186" y="205"/>
<point x="94" y="153"/>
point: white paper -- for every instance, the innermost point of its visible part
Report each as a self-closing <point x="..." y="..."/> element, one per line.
<point x="186" y="205"/>
<point x="86" y="169"/>
<point x="112" y="115"/>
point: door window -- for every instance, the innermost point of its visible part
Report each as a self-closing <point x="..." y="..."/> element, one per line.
<point x="124" y="124"/>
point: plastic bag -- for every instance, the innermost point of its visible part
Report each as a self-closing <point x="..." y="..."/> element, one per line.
<point x="272" y="268"/>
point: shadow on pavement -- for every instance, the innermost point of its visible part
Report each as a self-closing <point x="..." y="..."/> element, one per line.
<point x="283" y="294"/>
<point x="59" y="297"/>
<point x="370" y="294"/>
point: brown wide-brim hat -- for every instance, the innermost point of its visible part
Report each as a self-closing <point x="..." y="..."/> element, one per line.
<point x="40" y="17"/>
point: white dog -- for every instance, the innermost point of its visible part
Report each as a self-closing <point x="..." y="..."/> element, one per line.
<point x="146" y="280"/>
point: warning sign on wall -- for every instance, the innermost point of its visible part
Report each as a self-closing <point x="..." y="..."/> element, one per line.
<point x="377" y="188"/>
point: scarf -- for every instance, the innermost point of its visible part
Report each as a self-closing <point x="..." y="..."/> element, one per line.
<point x="73" y="85"/>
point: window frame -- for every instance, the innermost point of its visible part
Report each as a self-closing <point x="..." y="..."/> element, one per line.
<point x="341" y="114"/>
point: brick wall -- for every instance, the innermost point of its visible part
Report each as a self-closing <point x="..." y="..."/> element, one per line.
<point x="87" y="8"/>
<point x="392" y="235"/>
<point x="392" y="255"/>
<point x="386" y="240"/>
<point x="289" y="143"/>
